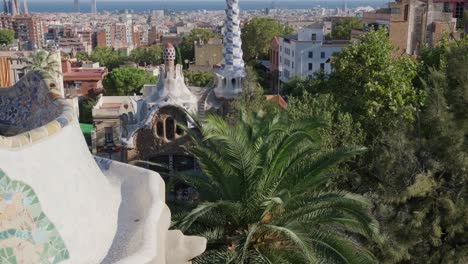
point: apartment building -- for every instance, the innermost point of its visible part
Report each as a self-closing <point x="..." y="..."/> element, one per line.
<point x="307" y="53"/>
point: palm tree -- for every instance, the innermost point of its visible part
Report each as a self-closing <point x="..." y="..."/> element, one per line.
<point x="44" y="61"/>
<point x="264" y="198"/>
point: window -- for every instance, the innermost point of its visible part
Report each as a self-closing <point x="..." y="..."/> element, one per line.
<point x="314" y="36"/>
<point x="447" y="7"/>
<point x="322" y="66"/>
<point x="159" y="129"/>
<point x="406" y="12"/>
<point x="310" y="67"/>
<point x="322" y="55"/>
<point x="311" y="54"/>
<point x="170" y="127"/>
<point x="286" y="74"/>
<point x="395" y="10"/>
<point x="109" y="135"/>
<point x="310" y="77"/>
<point x="292" y="65"/>
<point x="293" y="53"/>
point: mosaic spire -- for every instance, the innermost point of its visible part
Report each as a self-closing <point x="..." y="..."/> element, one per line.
<point x="229" y="84"/>
<point x="233" y="64"/>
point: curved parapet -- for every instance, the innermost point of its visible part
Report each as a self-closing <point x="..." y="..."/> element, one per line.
<point x="98" y="211"/>
<point x="31" y="110"/>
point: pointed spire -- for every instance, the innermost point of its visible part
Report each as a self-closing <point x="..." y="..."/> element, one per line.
<point x="232" y="67"/>
<point x="5" y="7"/>
<point x="13" y="8"/>
<point x="232" y="52"/>
<point x="25" y="7"/>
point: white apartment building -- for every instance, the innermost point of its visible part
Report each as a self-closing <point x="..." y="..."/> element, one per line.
<point x="307" y="53"/>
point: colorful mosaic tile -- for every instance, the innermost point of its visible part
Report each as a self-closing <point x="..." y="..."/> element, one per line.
<point x="31" y="110"/>
<point x="26" y="234"/>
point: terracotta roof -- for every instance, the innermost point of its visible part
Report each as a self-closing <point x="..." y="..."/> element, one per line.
<point x="85" y="74"/>
<point x="277" y="99"/>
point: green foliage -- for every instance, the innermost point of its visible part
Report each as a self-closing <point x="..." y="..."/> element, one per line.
<point x="415" y="169"/>
<point x="86" y="110"/>
<point x="257" y="36"/>
<point x="82" y="56"/>
<point x="199" y="79"/>
<point x="108" y="57"/>
<point x="252" y="97"/>
<point x="179" y="57"/>
<point x="144" y="56"/>
<point x="6" y="36"/>
<point x="298" y="85"/>
<point x="42" y="60"/>
<point x="187" y="46"/>
<point x="372" y="84"/>
<point x="263" y="203"/>
<point x="339" y="130"/>
<point x="126" y="81"/>
<point x="343" y="27"/>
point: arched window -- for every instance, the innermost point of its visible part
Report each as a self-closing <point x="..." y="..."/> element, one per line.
<point x="131" y="118"/>
<point x="159" y="129"/>
<point x="179" y="131"/>
<point x="233" y="81"/>
<point x="170" y="128"/>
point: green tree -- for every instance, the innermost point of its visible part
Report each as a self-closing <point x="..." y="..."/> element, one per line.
<point x="262" y="203"/>
<point x="430" y="207"/>
<point x="42" y="60"/>
<point x="82" y="56"/>
<point x="298" y="85"/>
<point x="199" y="79"/>
<point x="343" y="27"/>
<point x="6" y="36"/>
<point x="186" y="47"/>
<point x="372" y="84"/>
<point x="86" y="110"/>
<point x="144" y="56"/>
<point x="126" y="81"/>
<point x="257" y="36"/>
<point x="108" y="57"/>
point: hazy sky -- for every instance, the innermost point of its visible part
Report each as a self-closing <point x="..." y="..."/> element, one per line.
<point x="205" y="0"/>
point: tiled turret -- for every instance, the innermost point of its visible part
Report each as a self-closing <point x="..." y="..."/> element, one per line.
<point x="232" y="68"/>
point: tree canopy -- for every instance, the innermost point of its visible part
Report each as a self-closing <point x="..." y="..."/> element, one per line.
<point x="343" y="27"/>
<point x="199" y="79"/>
<point x="263" y="203"/>
<point x="257" y="35"/>
<point x="412" y="115"/>
<point x="372" y="84"/>
<point x="108" y="57"/>
<point x="186" y="48"/>
<point x="126" y="81"/>
<point x="42" y="60"/>
<point x="6" y="36"/>
<point x="144" y="56"/>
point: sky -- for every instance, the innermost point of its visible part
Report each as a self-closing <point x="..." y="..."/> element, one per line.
<point x="277" y="1"/>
